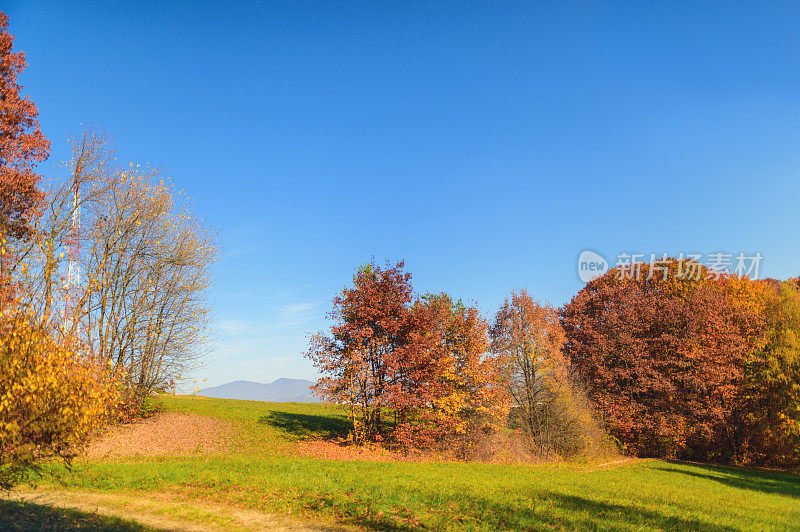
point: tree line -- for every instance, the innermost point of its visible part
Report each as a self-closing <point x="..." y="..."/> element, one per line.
<point x="429" y="372"/>
<point x="701" y="366"/>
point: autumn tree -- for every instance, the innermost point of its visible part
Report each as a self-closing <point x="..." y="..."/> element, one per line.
<point x="22" y="144"/>
<point x="770" y="398"/>
<point x="475" y="392"/>
<point x="370" y="326"/>
<point x="147" y="274"/>
<point x="140" y="302"/>
<point x="446" y="386"/>
<point x="662" y="353"/>
<point x="417" y="371"/>
<point x="528" y="338"/>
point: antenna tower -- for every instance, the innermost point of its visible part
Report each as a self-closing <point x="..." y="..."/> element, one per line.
<point x="73" y="271"/>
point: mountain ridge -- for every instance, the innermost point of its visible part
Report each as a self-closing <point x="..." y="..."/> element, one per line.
<point x="282" y="390"/>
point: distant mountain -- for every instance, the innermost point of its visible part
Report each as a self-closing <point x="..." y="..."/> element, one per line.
<point x="280" y="391"/>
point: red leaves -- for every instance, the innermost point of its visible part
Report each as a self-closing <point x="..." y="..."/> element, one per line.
<point x="22" y="144"/>
<point x="423" y="363"/>
<point x="663" y="359"/>
<point x="675" y="365"/>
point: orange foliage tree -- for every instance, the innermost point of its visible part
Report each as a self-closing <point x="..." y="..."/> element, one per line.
<point x="445" y="384"/>
<point x="664" y="356"/>
<point x="549" y="407"/>
<point x="417" y="372"/>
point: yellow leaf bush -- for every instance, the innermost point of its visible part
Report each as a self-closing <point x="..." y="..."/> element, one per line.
<point x="51" y="398"/>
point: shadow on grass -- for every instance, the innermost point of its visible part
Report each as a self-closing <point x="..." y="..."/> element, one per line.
<point x="588" y="513"/>
<point x="545" y="510"/>
<point x="20" y="515"/>
<point x="305" y="426"/>
<point x="769" y="482"/>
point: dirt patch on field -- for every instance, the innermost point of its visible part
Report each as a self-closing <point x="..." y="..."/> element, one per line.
<point x="163" y="434"/>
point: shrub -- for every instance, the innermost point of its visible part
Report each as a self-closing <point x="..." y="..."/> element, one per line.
<point x="51" y="399"/>
<point x="132" y="406"/>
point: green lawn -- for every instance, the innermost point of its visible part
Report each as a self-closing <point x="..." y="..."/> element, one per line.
<point x="265" y="473"/>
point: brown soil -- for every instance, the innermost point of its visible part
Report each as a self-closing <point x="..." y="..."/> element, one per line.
<point x="163" y="434"/>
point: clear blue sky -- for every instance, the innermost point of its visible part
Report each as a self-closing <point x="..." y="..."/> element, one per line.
<point x="487" y="144"/>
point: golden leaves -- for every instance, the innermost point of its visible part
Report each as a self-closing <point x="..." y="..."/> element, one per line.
<point x="50" y="399"/>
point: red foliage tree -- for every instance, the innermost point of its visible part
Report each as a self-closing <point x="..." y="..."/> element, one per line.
<point x="425" y="363"/>
<point x="22" y="144"/>
<point x="663" y="357"/>
<point x="447" y="385"/>
<point x="370" y="326"/>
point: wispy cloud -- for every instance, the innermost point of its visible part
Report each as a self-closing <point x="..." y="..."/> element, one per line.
<point x="264" y="294"/>
<point x="244" y="239"/>
<point x="261" y="334"/>
<point x="285" y="318"/>
<point x="259" y="350"/>
<point x="300" y="308"/>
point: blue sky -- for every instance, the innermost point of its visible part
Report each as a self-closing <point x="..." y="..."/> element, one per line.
<point x="487" y="144"/>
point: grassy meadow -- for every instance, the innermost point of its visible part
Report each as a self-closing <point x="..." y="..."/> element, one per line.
<point x="264" y="471"/>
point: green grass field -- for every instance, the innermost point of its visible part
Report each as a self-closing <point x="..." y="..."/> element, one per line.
<point x="266" y="473"/>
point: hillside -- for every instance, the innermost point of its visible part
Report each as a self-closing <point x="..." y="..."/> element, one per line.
<point x="268" y="476"/>
<point x="278" y="391"/>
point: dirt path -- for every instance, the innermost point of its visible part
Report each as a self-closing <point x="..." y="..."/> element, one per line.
<point x="163" y="513"/>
